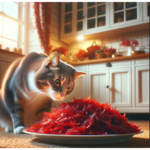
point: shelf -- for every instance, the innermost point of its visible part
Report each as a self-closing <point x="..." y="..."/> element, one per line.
<point x="104" y="60"/>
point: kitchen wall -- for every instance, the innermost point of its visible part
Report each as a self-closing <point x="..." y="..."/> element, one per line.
<point x="142" y="37"/>
<point x="34" y="45"/>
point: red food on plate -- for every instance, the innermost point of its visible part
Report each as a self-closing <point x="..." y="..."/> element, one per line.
<point x="83" y="117"/>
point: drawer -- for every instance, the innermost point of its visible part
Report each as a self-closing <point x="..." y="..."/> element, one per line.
<point x="142" y="61"/>
<point x="121" y="63"/>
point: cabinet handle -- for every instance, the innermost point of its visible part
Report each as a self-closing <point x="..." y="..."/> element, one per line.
<point x="107" y="86"/>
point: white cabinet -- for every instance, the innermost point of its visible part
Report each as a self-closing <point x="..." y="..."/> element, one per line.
<point x="84" y="18"/>
<point x="142" y="86"/>
<point x="99" y="85"/>
<point x="125" y="13"/>
<point x="120" y="87"/>
<point x="145" y="11"/>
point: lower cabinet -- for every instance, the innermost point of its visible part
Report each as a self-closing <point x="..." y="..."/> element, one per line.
<point x="142" y="86"/>
<point x="120" y="87"/>
<point x="99" y="85"/>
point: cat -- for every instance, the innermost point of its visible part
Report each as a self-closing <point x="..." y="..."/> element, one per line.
<point x="30" y="86"/>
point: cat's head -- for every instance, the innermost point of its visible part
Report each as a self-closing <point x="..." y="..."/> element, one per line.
<point x="56" y="77"/>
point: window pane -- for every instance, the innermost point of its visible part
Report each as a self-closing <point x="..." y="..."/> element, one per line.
<point x="68" y="18"/>
<point x="68" y="7"/>
<point x="22" y="33"/>
<point x="101" y="21"/>
<point x="10" y="29"/>
<point x="80" y="15"/>
<point x="79" y="5"/>
<point x="22" y="47"/>
<point x="91" y="4"/>
<point x="0" y="41"/>
<point x="1" y="6"/>
<point x="91" y="23"/>
<point x="23" y="13"/>
<point x="8" y="43"/>
<point x="91" y="12"/>
<point x="130" y="4"/>
<point x="79" y="26"/>
<point x="1" y="19"/>
<point x="68" y="28"/>
<point x="11" y="9"/>
<point x="131" y="14"/>
<point x="118" y="6"/>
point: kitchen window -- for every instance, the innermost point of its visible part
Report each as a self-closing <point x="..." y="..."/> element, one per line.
<point x="13" y="25"/>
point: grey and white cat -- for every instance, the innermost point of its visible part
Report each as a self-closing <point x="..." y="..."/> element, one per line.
<point x="30" y="85"/>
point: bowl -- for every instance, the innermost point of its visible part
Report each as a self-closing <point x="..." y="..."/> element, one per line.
<point x="137" y="52"/>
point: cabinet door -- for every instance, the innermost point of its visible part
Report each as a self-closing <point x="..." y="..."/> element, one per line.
<point x="142" y="86"/>
<point x="120" y="87"/>
<point x="125" y="13"/>
<point x="145" y="11"/>
<point x="67" y="21"/>
<point x="98" y="82"/>
<point x="97" y="16"/>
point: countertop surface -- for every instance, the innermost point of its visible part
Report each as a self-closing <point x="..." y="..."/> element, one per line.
<point x="10" y="140"/>
<point x="110" y="59"/>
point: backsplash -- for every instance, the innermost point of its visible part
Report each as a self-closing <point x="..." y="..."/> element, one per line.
<point x="142" y="37"/>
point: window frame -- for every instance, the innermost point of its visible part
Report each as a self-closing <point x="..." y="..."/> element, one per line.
<point x="25" y="23"/>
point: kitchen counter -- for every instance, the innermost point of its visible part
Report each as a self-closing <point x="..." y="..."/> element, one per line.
<point x="104" y="60"/>
<point x="10" y="140"/>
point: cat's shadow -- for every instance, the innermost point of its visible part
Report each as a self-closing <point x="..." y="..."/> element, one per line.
<point x="133" y="142"/>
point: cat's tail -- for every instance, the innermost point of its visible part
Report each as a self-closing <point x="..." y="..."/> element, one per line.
<point x="5" y="118"/>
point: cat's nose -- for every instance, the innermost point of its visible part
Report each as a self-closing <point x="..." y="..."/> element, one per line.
<point x="62" y="94"/>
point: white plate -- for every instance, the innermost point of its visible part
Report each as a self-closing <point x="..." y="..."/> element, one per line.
<point x="83" y="139"/>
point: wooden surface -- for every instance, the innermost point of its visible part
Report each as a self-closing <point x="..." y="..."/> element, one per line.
<point x="103" y="60"/>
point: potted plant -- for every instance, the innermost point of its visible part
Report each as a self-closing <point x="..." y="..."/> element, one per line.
<point x="100" y="54"/>
<point x="130" y="44"/>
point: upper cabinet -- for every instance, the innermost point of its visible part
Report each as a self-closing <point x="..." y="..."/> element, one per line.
<point x="145" y="11"/>
<point x="81" y="18"/>
<point x="125" y="13"/>
<point x="84" y="18"/>
<point x="96" y="16"/>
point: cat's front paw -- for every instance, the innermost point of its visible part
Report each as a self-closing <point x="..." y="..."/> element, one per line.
<point x="19" y="130"/>
<point x="9" y="129"/>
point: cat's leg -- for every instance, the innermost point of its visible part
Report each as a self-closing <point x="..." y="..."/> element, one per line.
<point x="5" y="118"/>
<point x="17" y="115"/>
<point x="18" y="119"/>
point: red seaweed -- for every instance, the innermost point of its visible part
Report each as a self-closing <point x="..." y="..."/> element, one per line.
<point x="83" y="117"/>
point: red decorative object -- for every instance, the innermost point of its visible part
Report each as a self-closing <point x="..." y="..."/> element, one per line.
<point x="109" y="50"/>
<point x="81" y="54"/>
<point x="41" y="21"/>
<point x="61" y="50"/>
<point x="83" y="117"/>
<point x="127" y="42"/>
<point x="92" y="49"/>
<point x="134" y="43"/>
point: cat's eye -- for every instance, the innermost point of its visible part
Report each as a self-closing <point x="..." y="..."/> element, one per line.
<point x="57" y="81"/>
<point x="69" y="88"/>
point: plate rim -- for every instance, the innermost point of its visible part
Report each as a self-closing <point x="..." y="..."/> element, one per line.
<point x="60" y="135"/>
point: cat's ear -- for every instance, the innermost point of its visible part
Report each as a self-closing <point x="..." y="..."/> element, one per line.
<point x="78" y="74"/>
<point x="53" y="61"/>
